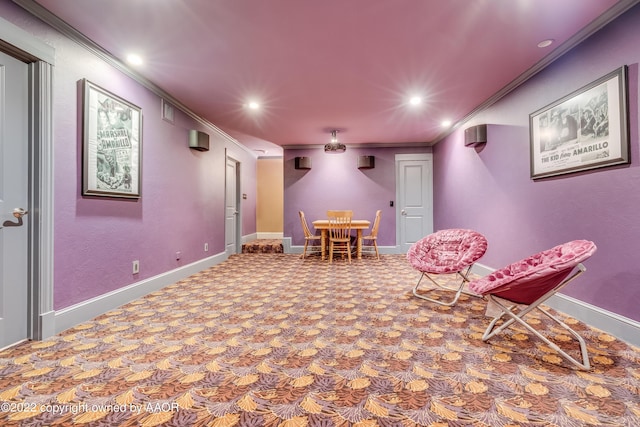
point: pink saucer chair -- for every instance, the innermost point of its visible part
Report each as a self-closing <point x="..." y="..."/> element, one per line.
<point x="446" y="252"/>
<point x="530" y="282"/>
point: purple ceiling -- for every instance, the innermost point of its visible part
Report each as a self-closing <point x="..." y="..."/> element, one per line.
<point x="331" y="64"/>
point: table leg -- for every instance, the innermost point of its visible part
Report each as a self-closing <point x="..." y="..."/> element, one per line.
<point x="359" y="244"/>
<point x="323" y="243"/>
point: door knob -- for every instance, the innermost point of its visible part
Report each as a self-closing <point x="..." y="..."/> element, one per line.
<point x="403" y="212"/>
<point x="20" y="212"/>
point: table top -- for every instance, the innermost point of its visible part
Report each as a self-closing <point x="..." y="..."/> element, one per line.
<point x="319" y="224"/>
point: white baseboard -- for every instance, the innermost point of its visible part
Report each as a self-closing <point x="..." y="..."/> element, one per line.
<point x="48" y="323"/>
<point x="249" y="238"/>
<point x="481" y="270"/>
<point x="286" y="245"/>
<point x="621" y="327"/>
<point x="263" y="235"/>
<point x="87" y="310"/>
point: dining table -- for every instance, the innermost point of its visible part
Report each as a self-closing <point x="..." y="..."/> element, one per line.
<point x="356" y="224"/>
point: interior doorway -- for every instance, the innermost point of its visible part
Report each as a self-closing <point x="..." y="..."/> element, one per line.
<point x="14" y="219"/>
<point x="232" y="215"/>
<point x="414" y="196"/>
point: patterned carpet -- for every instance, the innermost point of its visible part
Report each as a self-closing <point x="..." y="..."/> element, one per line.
<point x="276" y="340"/>
<point x="263" y="246"/>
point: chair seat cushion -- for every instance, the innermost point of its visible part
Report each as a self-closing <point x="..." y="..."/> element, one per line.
<point x="447" y="251"/>
<point x="526" y="280"/>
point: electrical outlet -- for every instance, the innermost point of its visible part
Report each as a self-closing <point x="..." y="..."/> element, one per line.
<point x="136" y="267"/>
<point x="178" y="255"/>
<point x="206" y="247"/>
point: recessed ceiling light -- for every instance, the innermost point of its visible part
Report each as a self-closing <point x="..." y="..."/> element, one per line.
<point x="415" y="100"/>
<point x="545" y="43"/>
<point x="446" y="123"/>
<point x="253" y="105"/>
<point x="134" y="59"/>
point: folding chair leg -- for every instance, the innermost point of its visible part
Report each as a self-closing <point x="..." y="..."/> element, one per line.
<point x="458" y="291"/>
<point x="490" y="332"/>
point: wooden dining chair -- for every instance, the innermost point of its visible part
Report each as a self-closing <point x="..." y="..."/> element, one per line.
<point x="311" y="241"/>
<point x="340" y="233"/>
<point x="372" y="238"/>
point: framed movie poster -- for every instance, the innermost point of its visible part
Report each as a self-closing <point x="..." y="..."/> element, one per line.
<point x="112" y="144"/>
<point x="585" y="130"/>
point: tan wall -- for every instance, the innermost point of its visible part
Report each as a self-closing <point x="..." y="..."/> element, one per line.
<point x="270" y="199"/>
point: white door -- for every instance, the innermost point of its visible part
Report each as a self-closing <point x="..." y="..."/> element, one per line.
<point x="13" y="196"/>
<point x="414" y="187"/>
<point x="232" y="212"/>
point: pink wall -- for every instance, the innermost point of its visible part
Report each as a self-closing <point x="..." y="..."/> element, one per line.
<point x="335" y="182"/>
<point x="490" y="190"/>
<point x="182" y="203"/>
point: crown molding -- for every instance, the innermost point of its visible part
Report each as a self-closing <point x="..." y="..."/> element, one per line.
<point x="70" y="32"/>
<point x="593" y="27"/>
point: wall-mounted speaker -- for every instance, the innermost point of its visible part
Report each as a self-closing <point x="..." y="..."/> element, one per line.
<point x="198" y="140"/>
<point x="475" y="135"/>
<point x="366" y="162"/>
<point x="303" y="162"/>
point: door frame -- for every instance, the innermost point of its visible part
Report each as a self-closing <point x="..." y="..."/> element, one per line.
<point x="238" y="227"/>
<point x="428" y="157"/>
<point x="40" y="59"/>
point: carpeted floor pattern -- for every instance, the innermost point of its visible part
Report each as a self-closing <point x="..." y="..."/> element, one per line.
<point x="276" y="340"/>
<point x="263" y="246"/>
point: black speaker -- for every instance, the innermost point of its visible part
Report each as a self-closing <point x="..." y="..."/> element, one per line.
<point x="475" y="135"/>
<point x="366" y="162"/>
<point x="303" y="162"/>
<point x="198" y="140"/>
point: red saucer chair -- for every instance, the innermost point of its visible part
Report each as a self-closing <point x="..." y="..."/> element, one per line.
<point x="445" y="252"/>
<point x="521" y="287"/>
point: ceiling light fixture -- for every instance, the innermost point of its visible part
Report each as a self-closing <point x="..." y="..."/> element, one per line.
<point x="134" y="59"/>
<point x="253" y="105"/>
<point x="545" y="43"/>
<point x="334" y="146"/>
<point x="416" y="100"/>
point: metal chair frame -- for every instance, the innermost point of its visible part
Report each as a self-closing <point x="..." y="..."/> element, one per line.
<point x="460" y="290"/>
<point x="437" y="243"/>
<point x="508" y="310"/>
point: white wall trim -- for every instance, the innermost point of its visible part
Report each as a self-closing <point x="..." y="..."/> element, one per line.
<point x="25" y="41"/>
<point x="286" y="246"/>
<point x="481" y="269"/>
<point x="416" y="156"/>
<point x="41" y="172"/>
<point x="89" y="309"/>
<point x="273" y="235"/>
<point x="45" y="15"/>
<point x="249" y="238"/>
<point x="42" y="199"/>
<point x="614" y="324"/>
